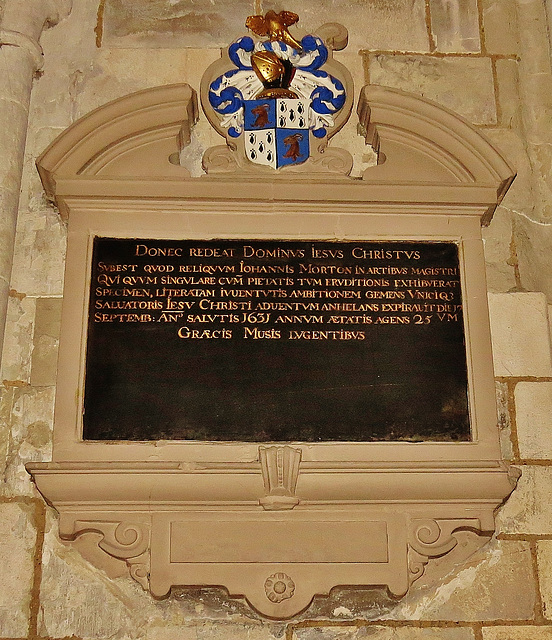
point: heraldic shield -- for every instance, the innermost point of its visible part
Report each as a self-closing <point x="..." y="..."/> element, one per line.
<point x="276" y="131"/>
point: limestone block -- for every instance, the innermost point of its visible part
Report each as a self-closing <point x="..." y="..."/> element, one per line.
<point x="78" y="601"/>
<point x="30" y="436"/>
<point x="528" y="510"/>
<point x="118" y="72"/>
<point x="500" y="25"/>
<point x="17" y="548"/>
<point x="154" y="23"/>
<point x="497" y="239"/>
<point x="534" y="419"/>
<point x="508" y="94"/>
<point x="378" y="632"/>
<point x="504" y="424"/>
<point x="519" y="199"/>
<point x="541" y="157"/>
<point x="517" y="633"/>
<point x="533" y="27"/>
<point x="486" y="587"/>
<point x="533" y="241"/>
<point x="237" y="631"/>
<point x="6" y="406"/>
<point x="33" y="197"/>
<point x="349" y="138"/>
<point x="16" y="357"/>
<point x="69" y="53"/>
<point x="455" y="25"/>
<point x="39" y="260"/>
<point x="519" y="329"/>
<point x="544" y="559"/>
<point x="438" y="79"/>
<point x="45" y="342"/>
<point x="209" y="631"/>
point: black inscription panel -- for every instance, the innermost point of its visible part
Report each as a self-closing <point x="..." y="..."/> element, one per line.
<point x="250" y="340"/>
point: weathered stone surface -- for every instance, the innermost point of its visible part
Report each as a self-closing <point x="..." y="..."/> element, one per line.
<point x="509" y="142"/>
<point x="518" y="203"/>
<point x="378" y="632"/>
<point x="38" y="265"/>
<point x="533" y="240"/>
<point x="69" y="54"/>
<point x="33" y="197"/>
<point x="536" y="89"/>
<point x="16" y="357"/>
<point x="504" y="423"/>
<point x="508" y="94"/>
<point x="209" y="630"/>
<point x="375" y="25"/>
<point x="118" y="72"/>
<point x="486" y="587"/>
<point x="500" y="25"/>
<point x="184" y="23"/>
<point x="519" y="330"/>
<point x="544" y="559"/>
<point x="17" y="548"/>
<point x="517" y="633"/>
<point x="349" y="138"/>
<point x="77" y="599"/>
<point x="438" y="79"/>
<point x="528" y="510"/>
<point x="534" y="419"/>
<point x="6" y="405"/>
<point x="30" y="436"/>
<point x="497" y="239"/>
<point x="45" y="341"/>
<point x="455" y="25"/>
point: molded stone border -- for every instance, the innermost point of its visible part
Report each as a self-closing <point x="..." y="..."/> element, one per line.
<point x="182" y="513"/>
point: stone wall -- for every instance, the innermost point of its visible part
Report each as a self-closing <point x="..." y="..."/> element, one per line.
<point x="486" y="59"/>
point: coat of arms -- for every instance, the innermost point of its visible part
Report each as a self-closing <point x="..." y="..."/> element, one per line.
<point x="276" y="102"/>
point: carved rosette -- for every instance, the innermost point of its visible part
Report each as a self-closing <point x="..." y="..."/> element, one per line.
<point x="280" y="468"/>
<point x="279" y="587"/>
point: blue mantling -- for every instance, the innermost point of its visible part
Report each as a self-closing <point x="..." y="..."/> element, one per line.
<point x="325" y="92"/>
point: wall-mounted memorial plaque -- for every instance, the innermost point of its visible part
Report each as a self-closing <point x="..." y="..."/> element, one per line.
<point x="261" y="363"/>
<point x="275" y="341"/>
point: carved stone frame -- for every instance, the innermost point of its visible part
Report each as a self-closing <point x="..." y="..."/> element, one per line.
<point x="267" y="522"/>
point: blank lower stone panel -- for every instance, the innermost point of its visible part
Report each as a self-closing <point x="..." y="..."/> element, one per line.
<point x="248" y="552"/>
<point x="274" y="540"/>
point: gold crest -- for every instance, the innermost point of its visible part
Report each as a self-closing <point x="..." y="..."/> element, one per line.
<point x="275" y="26"/>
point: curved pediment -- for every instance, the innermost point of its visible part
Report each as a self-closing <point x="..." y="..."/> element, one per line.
<point x="421" y="141"/>
<point x="426" y="153"/>
<point x="129" y="137"/>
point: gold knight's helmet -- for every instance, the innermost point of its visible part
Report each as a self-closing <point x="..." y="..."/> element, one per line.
<point x="275" y="73"/>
